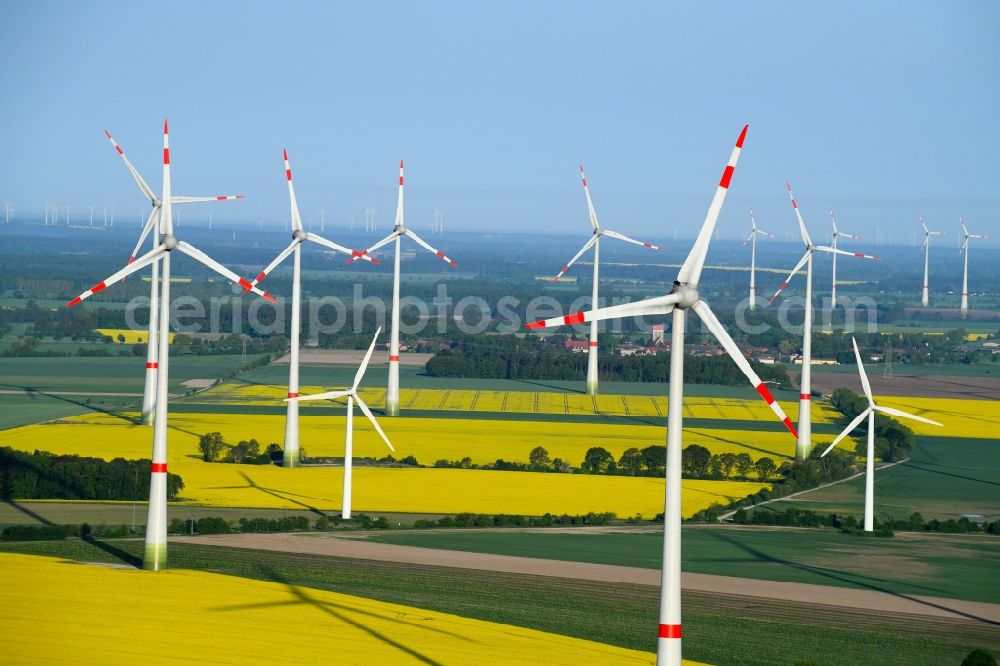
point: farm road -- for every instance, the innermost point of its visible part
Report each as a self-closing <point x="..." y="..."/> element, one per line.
<point x="912" y="386"/>
<point x="336" y="546"/>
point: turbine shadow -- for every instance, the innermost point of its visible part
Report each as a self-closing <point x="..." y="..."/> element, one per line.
<point x="339" y="611"/>
<point x="127" y="558"/>
<point x="28" y="512"/>
<point x="280" y="494"/>
<point x="844" y="577"/>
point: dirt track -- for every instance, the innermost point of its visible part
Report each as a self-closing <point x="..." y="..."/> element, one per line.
<point x="338" y="546"/>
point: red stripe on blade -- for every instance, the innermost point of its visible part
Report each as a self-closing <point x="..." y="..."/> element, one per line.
<point x="166" y="156"/>
<point x="743" y="136"/>
<point x="764" y="393"/>
<point x="647" y="245"/>
<point x="269" y="297"/>
<point x="74" y="302"/>
<point x="288" y="174"/>
<point x="441" y="254"/>
<point x="120" y="151"/>
<point x="727" y="176"/>
<point x="453" y="264"/>
<point x="159" y="468"/>
<point x="858" y="254"/>
<point x="534" y="324"/>
<point x="575" y="318"/>
<point x="670" y="631"/>
<point x="261" y="276"/>
<point x="245" y="283"/>
<point x="791" y="428"/>
<point x="100" y="286"/>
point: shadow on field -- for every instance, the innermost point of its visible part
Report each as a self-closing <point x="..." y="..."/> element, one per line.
<point x="280" y="494"/>
<point x="28" y="512"/>
<point x="338" y="611"/>
<point x="929" y="470"/>
<point x="127" y="558"/>
<point x="850" y="578"/>
<point x="35" y="393"/>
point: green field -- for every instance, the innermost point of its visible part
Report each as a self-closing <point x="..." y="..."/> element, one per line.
<point x="717" y="628"/>
<point x="39" y="389"/>
<point x="945" y="478"/>
<point x="960" y="567"/>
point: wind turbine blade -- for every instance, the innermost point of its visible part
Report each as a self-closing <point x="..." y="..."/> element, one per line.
<point x="399" y="197"/>
<point x="924" y="225"/>
<point x="329" y="395"/>
<point x="798" y="267"/>
<point x="420" y="241"/>
<point x="295" y="217"/>
<point x="651" y="306"/>
<point x="146" y="190"/>
<point x="150" y="223"/>
<point x="364" y="363"/>
<point x="277" y="260"/>
<point x="586" y="246"/>
<point x="371" y="417"/>
<point x="750" y="237"/>
<point x="200" y="256"/>
<point x="905" y="415"/>
<point x="850" y="428"/>
<point x="833" y="220"/>
<point x="837" y="250"/>
<point x="319" y="240"/>
<point x="798" y="215"/>
<point x="166" y="212"/>
<point x="138" y="264"/>
<point x="364" y="253"/>
<point x="708" y="318"/>
<point x="590" y="204"/>
<point x="690" y="271"/>
<point x="623" y="237"/>
<point x="861" y="370"/>
<point x="220" y="197"/>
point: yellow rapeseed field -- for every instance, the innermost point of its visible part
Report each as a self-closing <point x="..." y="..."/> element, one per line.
<point x="524" y="402"/>
<point x="412" y="490"/>
<point x="961" y="418"/>
<point x="175" y="616"/>
<point x="131" y="337"/>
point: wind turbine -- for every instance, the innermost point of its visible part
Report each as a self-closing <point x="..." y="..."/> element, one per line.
<point x="752" y="239"/>
<point x="870" y="462"/>
<point x="595" y="242"/>
<point x="299" y="235"/>
<point x="152" y="224"/>
<point x="966" y="236"/>
<point x="927" y="250"/>
<point x="836" y="236"/>
<point x="399" y="230"/>
<point x="8" y="208"/>
<point x="804" y="439"/>
<point x="352" y="396"/>
<point x="155" y="553"/>
<point x="682" y="297"/>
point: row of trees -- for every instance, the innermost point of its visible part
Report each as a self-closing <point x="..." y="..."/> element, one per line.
<point x="43" y="475"/>
<point x="213" y="448"/>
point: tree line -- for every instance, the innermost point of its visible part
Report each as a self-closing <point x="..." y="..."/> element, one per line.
<point x="43" y="475"/>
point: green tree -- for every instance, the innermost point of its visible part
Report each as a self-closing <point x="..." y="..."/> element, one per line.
<point x="654" y="458"/>
<point x="211" y="445"/>
<point x="631" y="461"/>
<point x="728" y="462"/>
<point x="764" y="467"/>
<point x="598" y="460"/>
<point x="539" y="458"/>
<point x="743" y="464"/>
<point x="694" y="461"/>
<point x="979" y="657"/>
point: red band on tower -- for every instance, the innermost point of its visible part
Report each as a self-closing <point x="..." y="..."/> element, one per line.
<point x="159" y="468"/>
<point x="670" y="631"/>
<point x="393" y="357"/>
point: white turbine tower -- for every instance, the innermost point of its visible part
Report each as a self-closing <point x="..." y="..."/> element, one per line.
<point x="155" y="553"/>
<point x="752" y="239"/>
<point x="352" y="397"/>
<point x="834" y="238"/>
<point x="927" y="250"/>
<point x="399" y="230"/>
<point x="870" y="455"/>
<point x="152" y="224"/>
<point x="595" y="242"/>
<point x="682" y="297"/>
<point x="804" y="441"/>
<point x="966" y="237"/>
<point x="299" y="235"/>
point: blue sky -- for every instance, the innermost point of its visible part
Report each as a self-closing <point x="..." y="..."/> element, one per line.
<point x="882" y="110"/>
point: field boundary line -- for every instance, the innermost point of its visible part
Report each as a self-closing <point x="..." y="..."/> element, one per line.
<point x="728" y="515"/>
